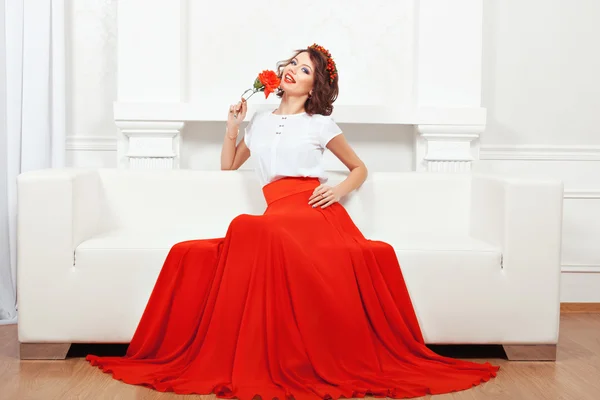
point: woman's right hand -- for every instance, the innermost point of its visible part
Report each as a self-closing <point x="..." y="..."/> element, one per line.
<point x="236" y="115"/>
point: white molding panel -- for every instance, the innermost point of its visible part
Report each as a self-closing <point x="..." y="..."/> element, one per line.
<point x="540" y="152"/>
<point x="582" y="194"/>
<point x="343" y="114"/>
<point x="91" y="143"/>
<point x="585" y="268"/>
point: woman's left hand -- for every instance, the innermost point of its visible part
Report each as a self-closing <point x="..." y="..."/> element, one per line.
<point x="324" y="196"/>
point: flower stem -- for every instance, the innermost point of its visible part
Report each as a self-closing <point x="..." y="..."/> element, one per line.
<point x="243" y="94"/>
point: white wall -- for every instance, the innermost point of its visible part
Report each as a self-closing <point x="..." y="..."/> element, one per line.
<point x="91" y="34"/>
<point x="540" y="86"/>
<point x="92" y="68"/>
<point x="215" y="65"/>
<point x="383" y="147"/>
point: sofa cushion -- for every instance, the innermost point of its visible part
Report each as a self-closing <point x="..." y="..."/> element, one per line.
<point x="415" y="251"/>
<point x="129" y="262"/>
<point x="445" y="250"/>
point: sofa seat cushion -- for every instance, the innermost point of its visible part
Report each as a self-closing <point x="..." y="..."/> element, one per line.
<point x="448" y="251"/>
<point x="418" y="252"/>
<point x="434" y="266"/>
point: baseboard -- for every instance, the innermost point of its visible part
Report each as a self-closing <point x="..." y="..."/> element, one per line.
<point x="579" y="284"/>
<point x="579" y="308"/>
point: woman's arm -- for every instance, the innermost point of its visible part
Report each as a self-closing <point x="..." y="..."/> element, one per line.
<point x="358" y="171"/>
<point x="232" y="156"/>
<point x="324" y="195"/>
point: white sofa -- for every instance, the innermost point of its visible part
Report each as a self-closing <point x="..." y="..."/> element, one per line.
<point x="480" y="254"/>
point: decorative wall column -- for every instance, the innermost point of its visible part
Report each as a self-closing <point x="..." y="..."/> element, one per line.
<point x="446" y="148"/>
<point x="448" y="56"/>
<point x="151" y="69"/>
<point x="149" y="144"/>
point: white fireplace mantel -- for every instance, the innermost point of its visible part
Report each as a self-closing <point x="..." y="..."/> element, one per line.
<point x="439" y="87"/>
<point x="344" y="114"/>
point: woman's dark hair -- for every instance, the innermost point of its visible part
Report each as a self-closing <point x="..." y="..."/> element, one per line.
<point x="324" y="92"/>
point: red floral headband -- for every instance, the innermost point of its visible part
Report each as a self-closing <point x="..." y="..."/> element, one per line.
<point x="331" y="67"/>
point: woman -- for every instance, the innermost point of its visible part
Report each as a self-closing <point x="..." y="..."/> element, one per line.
<point x="294" y="303"/>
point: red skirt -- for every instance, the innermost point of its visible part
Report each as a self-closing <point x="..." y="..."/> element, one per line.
<point x="294" y="303"/>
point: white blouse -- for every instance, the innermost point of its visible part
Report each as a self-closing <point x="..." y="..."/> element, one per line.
<point x="289" y="145"/>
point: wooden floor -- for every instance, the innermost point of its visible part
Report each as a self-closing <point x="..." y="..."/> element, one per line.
<point x="575" y="375"/>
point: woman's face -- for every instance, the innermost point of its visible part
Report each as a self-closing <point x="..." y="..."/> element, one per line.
<point x="298" y="76"/>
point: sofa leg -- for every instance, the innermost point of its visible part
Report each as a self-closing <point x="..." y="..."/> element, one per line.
<point x="44" y="351"/>
<point x="534" y="352"/>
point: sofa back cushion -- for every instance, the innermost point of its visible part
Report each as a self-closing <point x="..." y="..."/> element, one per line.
<point x="204" y="202"/>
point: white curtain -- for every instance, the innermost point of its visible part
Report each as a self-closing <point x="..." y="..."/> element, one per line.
<point x="32" y="115"/>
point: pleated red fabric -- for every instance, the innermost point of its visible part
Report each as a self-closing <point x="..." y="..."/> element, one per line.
<point x="294" y="303"/>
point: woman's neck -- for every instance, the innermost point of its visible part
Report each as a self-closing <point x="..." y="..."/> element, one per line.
<point x="291" y="105"/>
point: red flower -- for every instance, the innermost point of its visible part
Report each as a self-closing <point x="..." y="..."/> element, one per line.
<point x="270" y="81"/>
<point x="267" y="81"/>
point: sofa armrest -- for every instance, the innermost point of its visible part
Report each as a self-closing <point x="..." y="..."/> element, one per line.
<point x="488" y="205"/>
<point x="523" y="217"/>
<point x="57" y="210"/>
